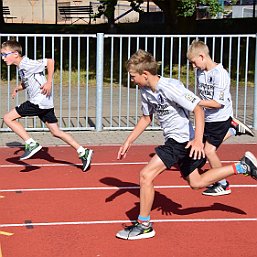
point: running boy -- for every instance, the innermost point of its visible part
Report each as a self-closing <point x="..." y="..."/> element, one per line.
<point x="213" y="84"/>
<point x="171" y="101"/>
<point x="40" y="101"/>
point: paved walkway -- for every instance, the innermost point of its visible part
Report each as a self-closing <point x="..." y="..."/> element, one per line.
<point x="104" y="138"/>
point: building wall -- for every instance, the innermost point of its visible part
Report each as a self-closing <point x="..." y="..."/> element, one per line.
<point x="44" y="11"/>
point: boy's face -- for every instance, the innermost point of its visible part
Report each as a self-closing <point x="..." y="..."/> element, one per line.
<point x="138" y="79"/>
<point x="197" y="61"/>
<point x="8" y="55"/>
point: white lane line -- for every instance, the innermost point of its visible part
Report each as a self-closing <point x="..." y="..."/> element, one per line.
<point x="105" y="188"/>
<point x="78" y="164"/>
<point x="125" y="221"/>
<point x="70" y="164"/>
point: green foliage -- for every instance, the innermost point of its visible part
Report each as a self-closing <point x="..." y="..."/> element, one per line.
<point x="188" y="8"/>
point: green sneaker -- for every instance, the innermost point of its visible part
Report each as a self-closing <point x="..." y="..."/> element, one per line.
<point x="30" y="150"/>
<point x="86" y="159"/>
<point x="136" y="231"/>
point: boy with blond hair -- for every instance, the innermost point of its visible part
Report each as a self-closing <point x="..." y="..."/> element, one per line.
<point x="39" y="103"/>
<point x="213" y="84"/>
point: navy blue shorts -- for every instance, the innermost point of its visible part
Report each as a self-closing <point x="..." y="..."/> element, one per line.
<point x="28" y="109"/>
<point x="214" y="132"/>
<point x="172" y="153"/>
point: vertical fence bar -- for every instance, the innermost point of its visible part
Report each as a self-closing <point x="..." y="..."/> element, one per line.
<point x="99" y="80"/>
<point x="255" y="88"/>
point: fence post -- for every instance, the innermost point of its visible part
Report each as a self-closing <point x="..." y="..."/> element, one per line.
<point x="99" y="80"/>
<point x="255" y="88"/>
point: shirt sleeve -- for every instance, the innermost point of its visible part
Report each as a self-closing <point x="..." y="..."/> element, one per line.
<point x="146" y="107"/>
<point x="183" y="97"/>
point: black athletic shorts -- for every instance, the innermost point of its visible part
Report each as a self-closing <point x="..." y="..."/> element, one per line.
<point x="172" y="153"/>
<point x="28" y="109"/>
<point x="214" y="132"/>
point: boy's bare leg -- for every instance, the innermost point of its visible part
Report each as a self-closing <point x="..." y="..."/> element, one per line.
<point x="147" y="176"/>
<point x="10" y="120"/>
<point x="57" y="132"/>
<point x="197" y="180"/>
<point x="211" y="154"/>
<point x="84" y="154"/>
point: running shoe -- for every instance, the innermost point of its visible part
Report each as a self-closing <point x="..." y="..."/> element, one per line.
<point x="30" y="150"/>
<point x="217" y="189"/>
<point x="249" y="164"/>
<point x="241" y="128"/>
<point x="136" y="231"/>
<point x="86" y="159"/>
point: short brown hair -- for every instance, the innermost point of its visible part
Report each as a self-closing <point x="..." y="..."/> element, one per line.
<point x="142" y="61"/>
<point x="13" y="45"/>
<point x="196" y="48"/>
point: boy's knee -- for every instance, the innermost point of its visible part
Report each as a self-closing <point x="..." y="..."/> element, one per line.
<point x="6" y="118"/>
<point x="145" y="178"/>
<point x="195" y="185"/>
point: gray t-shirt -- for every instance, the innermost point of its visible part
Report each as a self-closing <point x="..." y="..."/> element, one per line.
<point x="171" y="101"/>
<point x="32" y="76"/>
<point x="215" y="85"/>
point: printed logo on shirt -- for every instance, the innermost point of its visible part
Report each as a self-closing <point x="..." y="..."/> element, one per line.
<point x="190" y="98"/>
<point x="160" y="99"/>
<point x="221" y="96"/>
<point x="206" y="91"/>
<point x="210" y="80"/>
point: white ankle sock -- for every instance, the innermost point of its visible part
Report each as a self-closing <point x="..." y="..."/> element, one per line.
<point x="30" y="141"/>
<point x="81" y="151"/>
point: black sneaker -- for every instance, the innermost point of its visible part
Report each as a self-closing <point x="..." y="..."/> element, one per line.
<point x="241" y="128"/>
<point x="249" y="163"/>
<point x="86" y="159"/>
<point x="217" y="189"/>
<point x="30" y="150"/>
<point x="136" y="231"/>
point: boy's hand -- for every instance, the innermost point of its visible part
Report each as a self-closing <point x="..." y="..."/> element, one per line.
<point x="123" y="151"/>
<point x="14" y="93"/>
<point x="197" y="149"/>
<point x="46" y="89"/>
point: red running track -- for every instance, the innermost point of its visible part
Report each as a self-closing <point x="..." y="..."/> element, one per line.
<point x="50" y="208"/>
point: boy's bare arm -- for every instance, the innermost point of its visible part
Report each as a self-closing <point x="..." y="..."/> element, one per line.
<point x="16" y="90"/>
<point x="47" y="87"/>
<point x="209" y="104"/>
<point x="142" y="124"/>
<point x="197" y="146"/>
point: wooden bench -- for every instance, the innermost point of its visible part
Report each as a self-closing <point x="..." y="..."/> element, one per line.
<point x="77" y="13"/>
<point x="7" y="14"/>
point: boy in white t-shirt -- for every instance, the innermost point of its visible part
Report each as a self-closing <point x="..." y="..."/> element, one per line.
<point x="213" y="84"/>
<point x="39" y="103"/>
<point x="172" y="102"/>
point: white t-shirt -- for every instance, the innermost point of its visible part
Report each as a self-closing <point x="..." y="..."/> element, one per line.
<point x="215" y="85"/>
<point x="32" y="76"/>
<point x="171" y="101"/>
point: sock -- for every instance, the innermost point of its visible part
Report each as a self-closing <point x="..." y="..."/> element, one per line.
<point x="223" y="182"/>
<point x="239" y="168"/>
<point x="144" y="220"/>
<point x="232" y="131"/>
<point x="81" y="151"/>
<point x="30" y="141"/>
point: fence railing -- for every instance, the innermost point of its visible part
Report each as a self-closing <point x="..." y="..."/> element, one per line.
<point x="91" y="87"/>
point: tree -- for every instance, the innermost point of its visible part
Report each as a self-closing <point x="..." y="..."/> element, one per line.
<point x="107" y="8"/>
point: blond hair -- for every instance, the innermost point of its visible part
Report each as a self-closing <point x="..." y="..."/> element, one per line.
<point x="142" y="61"/>
<point x="13" y="45"/>
<point x="196" y="48"/>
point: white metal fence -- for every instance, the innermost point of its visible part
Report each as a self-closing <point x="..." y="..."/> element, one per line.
<point x="91" y="87"/>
